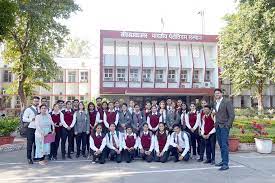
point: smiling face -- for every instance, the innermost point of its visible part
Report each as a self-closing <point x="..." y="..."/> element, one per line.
<point x="203" y="103"/>
<point x="218" y="95"/>
<point x="129" y="131"/>
<point x="68" y="105"/>
<point x="192" y="107"/>
<point x="35" y="102"/>
<point x="161" y="127"/>
<point x="145" y="128"/>
<point x="91" y="107"/>
<point x="137" y="108"/>
<point x="43" y="110"/>
<point x="99" y="129"/>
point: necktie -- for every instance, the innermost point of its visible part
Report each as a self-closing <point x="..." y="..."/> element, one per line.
<point x="137" y="120"/>
<point x="177" y="139"/>
<point x="114" y="142"/>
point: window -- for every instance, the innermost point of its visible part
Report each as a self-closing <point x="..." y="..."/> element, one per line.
<point x="196" y="76"/>
<point x="184" y="76"/>
<point x="147" y="75"/>
<point x="7" y="76"/>
<point x="147" y="50"/>
<point x="184" y="51"/>
<point x="172" y="76"/>
<point x="108" y="50"/>
<point x="72" y="76"/>
<point x="121" y="50"/>
<point x="120" y="75"/>
<point x="160" y="51"/>
<point x="108" y="74"/>
<point x="56" y="98"/>
<point x="82" y="98"/>
<point x="134" y="50"/>
<point x="196" y="52"/>
<point x="172" y="51"/>
<point x="84" y="77"/>
<point x="71" y="98"/>
<point x="59" y="77"/>
<point x="208" y="76"/>
<point x="134" y="75"/>
<point x="159" y="75"/>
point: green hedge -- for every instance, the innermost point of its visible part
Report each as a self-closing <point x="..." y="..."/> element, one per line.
<point x="8" y="125"/>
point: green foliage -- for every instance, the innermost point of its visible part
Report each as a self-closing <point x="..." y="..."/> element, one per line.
<point x="31" y="43"/>
<point x="252" y="113"/>
<point x="7" y="16"/>
<point x="76" y="48"/>
<point x="247" y="46"/>
<point x="8" y="125"/>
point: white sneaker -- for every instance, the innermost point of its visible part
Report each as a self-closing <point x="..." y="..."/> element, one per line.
<point x="93" y="162"/>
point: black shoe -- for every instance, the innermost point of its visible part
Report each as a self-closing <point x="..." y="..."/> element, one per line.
<point x="213" y="162"/>
<point x="30" y="161"/>
<point x="77" y="156"/>
<point x="200" y="160"/>
<point x="84" y="156"/>
<point x="63" y="157"/>
<point x="219" y="164"/>
<point x="207" y="161"/>
<point x="224" y="167"/>
<point x="69" y="156"/>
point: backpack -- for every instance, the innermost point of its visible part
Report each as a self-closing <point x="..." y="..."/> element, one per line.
<point x="24" y="125"/>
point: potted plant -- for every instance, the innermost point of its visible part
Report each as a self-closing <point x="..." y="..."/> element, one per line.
<point x="234" y="142"/>
<point x="262" y="143"/>
<point x="7" y="126"/>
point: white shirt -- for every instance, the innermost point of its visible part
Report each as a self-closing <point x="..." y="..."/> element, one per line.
<point x="92" y="143"/>
<point x="29" y="115"/>
<point x="166" y="145"/>
<point x="183" y="143"/>
<point x="198" y="121"/>
<point x="135" y="137"/>
<point x="218" y="104"/>
<point x="152" y="142"/>
<point x="131" y="110"/>
<point x="163" y="116"/>
<point x="118" y="140"/>
<point x="105" y="118"/>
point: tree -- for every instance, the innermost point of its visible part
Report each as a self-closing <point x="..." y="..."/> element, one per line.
<point x="31" y="43"/>
<point x="247" y="47"/>
<point x="7" y="16"/>
<point x="76" y="48"/>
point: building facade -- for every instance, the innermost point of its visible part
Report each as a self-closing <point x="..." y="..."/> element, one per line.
<point x="141" y="65"/>
<point x="73" y="82"/>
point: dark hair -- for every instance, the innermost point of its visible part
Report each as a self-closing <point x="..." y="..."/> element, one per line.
<point x="115" y="101"/>
<point x="76" y="100"/>
<point x="136" y="105"/>
<point x="55" y="105"/>
<point x="82" y="104"/>
<point x="58" y="101"/>
<point x="207" y="106"/>
<point x="104" y="102"/>
<point x="176" y="125"/>
<point x="36" y="97"/>
<point x="98" y="98"/>
<point x="155" y="99"/>
<point x="218" y="89"/>
<point x="124" y="104"/>
<point x="42" y="106"/>
<point x="110" y="103"/>
<point x="204" y="99"/>
<point x="66" y="102"/>
<point x="145" y="124"/>
<point x="129" y="126"/>
<point x="97" y="125"/>
<point x="168" y="98"/>
<point x="193" y="104"/>
<point x="43" y="98"/>
<point x="147" y="102"/>
<point x="112" y="124"/>
<point x="91" y="103"/>
<point x="154" y="106"/>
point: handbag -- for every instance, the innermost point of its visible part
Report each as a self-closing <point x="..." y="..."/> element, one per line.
<point x="49" y="138"/>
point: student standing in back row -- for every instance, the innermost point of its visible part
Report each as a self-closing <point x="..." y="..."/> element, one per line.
<point x="138" y="119"/>
<point x="153" y="120"/>
<point x="93" y="117"/>
<point x="110" y="117"/>
<point x="125" y="118"/>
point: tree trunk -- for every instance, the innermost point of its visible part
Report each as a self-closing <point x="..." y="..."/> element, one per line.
<point x="22" y="95"/>
<point x="260" y="97"/>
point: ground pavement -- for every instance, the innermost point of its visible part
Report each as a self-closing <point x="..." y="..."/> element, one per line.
<point x="244" y="168"/>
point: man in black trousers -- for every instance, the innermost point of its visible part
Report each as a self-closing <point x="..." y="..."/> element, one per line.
<point x="225" y="115"/>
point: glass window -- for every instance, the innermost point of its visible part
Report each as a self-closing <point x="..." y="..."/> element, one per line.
<point x="196" y="75"/>
<point x="172" y="51"/>
<point x="147" y="75"/>
<point x="208" y="75"/>
<point x="184" y="51"/>
<point x="59" y="77"/>
<point x="134" y="75"/>
<point x="71" y="76"/>
<point x="84" y="77"/>
<point x="160" y="50"/>
<point x="147" y="50"/>
<point x="134" y="50"/>
<point x="71" y="98"/>
<point x="121" y="74"/>
<point x="184" y="76"/>
<point x="196" y="52"/>
<point x="172" y="75"/>
<point x="121" y="49"/>
<point x="82" y="98"/>
<point x="159" y="75"/>
<point x="7" y="76"/>
<point x="108" y="74"/>
<point x="108" y="50"/>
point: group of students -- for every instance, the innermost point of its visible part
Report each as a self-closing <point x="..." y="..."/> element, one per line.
<point x="120" y="132"/>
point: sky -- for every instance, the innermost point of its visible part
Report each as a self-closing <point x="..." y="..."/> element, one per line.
<point x="180" y="16"/>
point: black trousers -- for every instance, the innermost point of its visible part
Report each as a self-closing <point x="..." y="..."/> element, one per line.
<point x="129" y="155"/>
<point x="148" y="158"/>
<point x="67" y="134"/>
<point x="81" y="141"/>
<point x="101" y="157"/>
<point x="55" y="144"/>
<point x="176" y="154"/>
<point x="202" y="147"/>
<point x="30" y="143"/>
<point x="210" y="144"/>
<point x="163" y="158"/>
<point x="195" y="141"/>
<point x="114" y="156"/>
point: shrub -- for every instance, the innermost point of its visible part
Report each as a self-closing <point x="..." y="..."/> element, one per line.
<point x="8" y="125"/>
